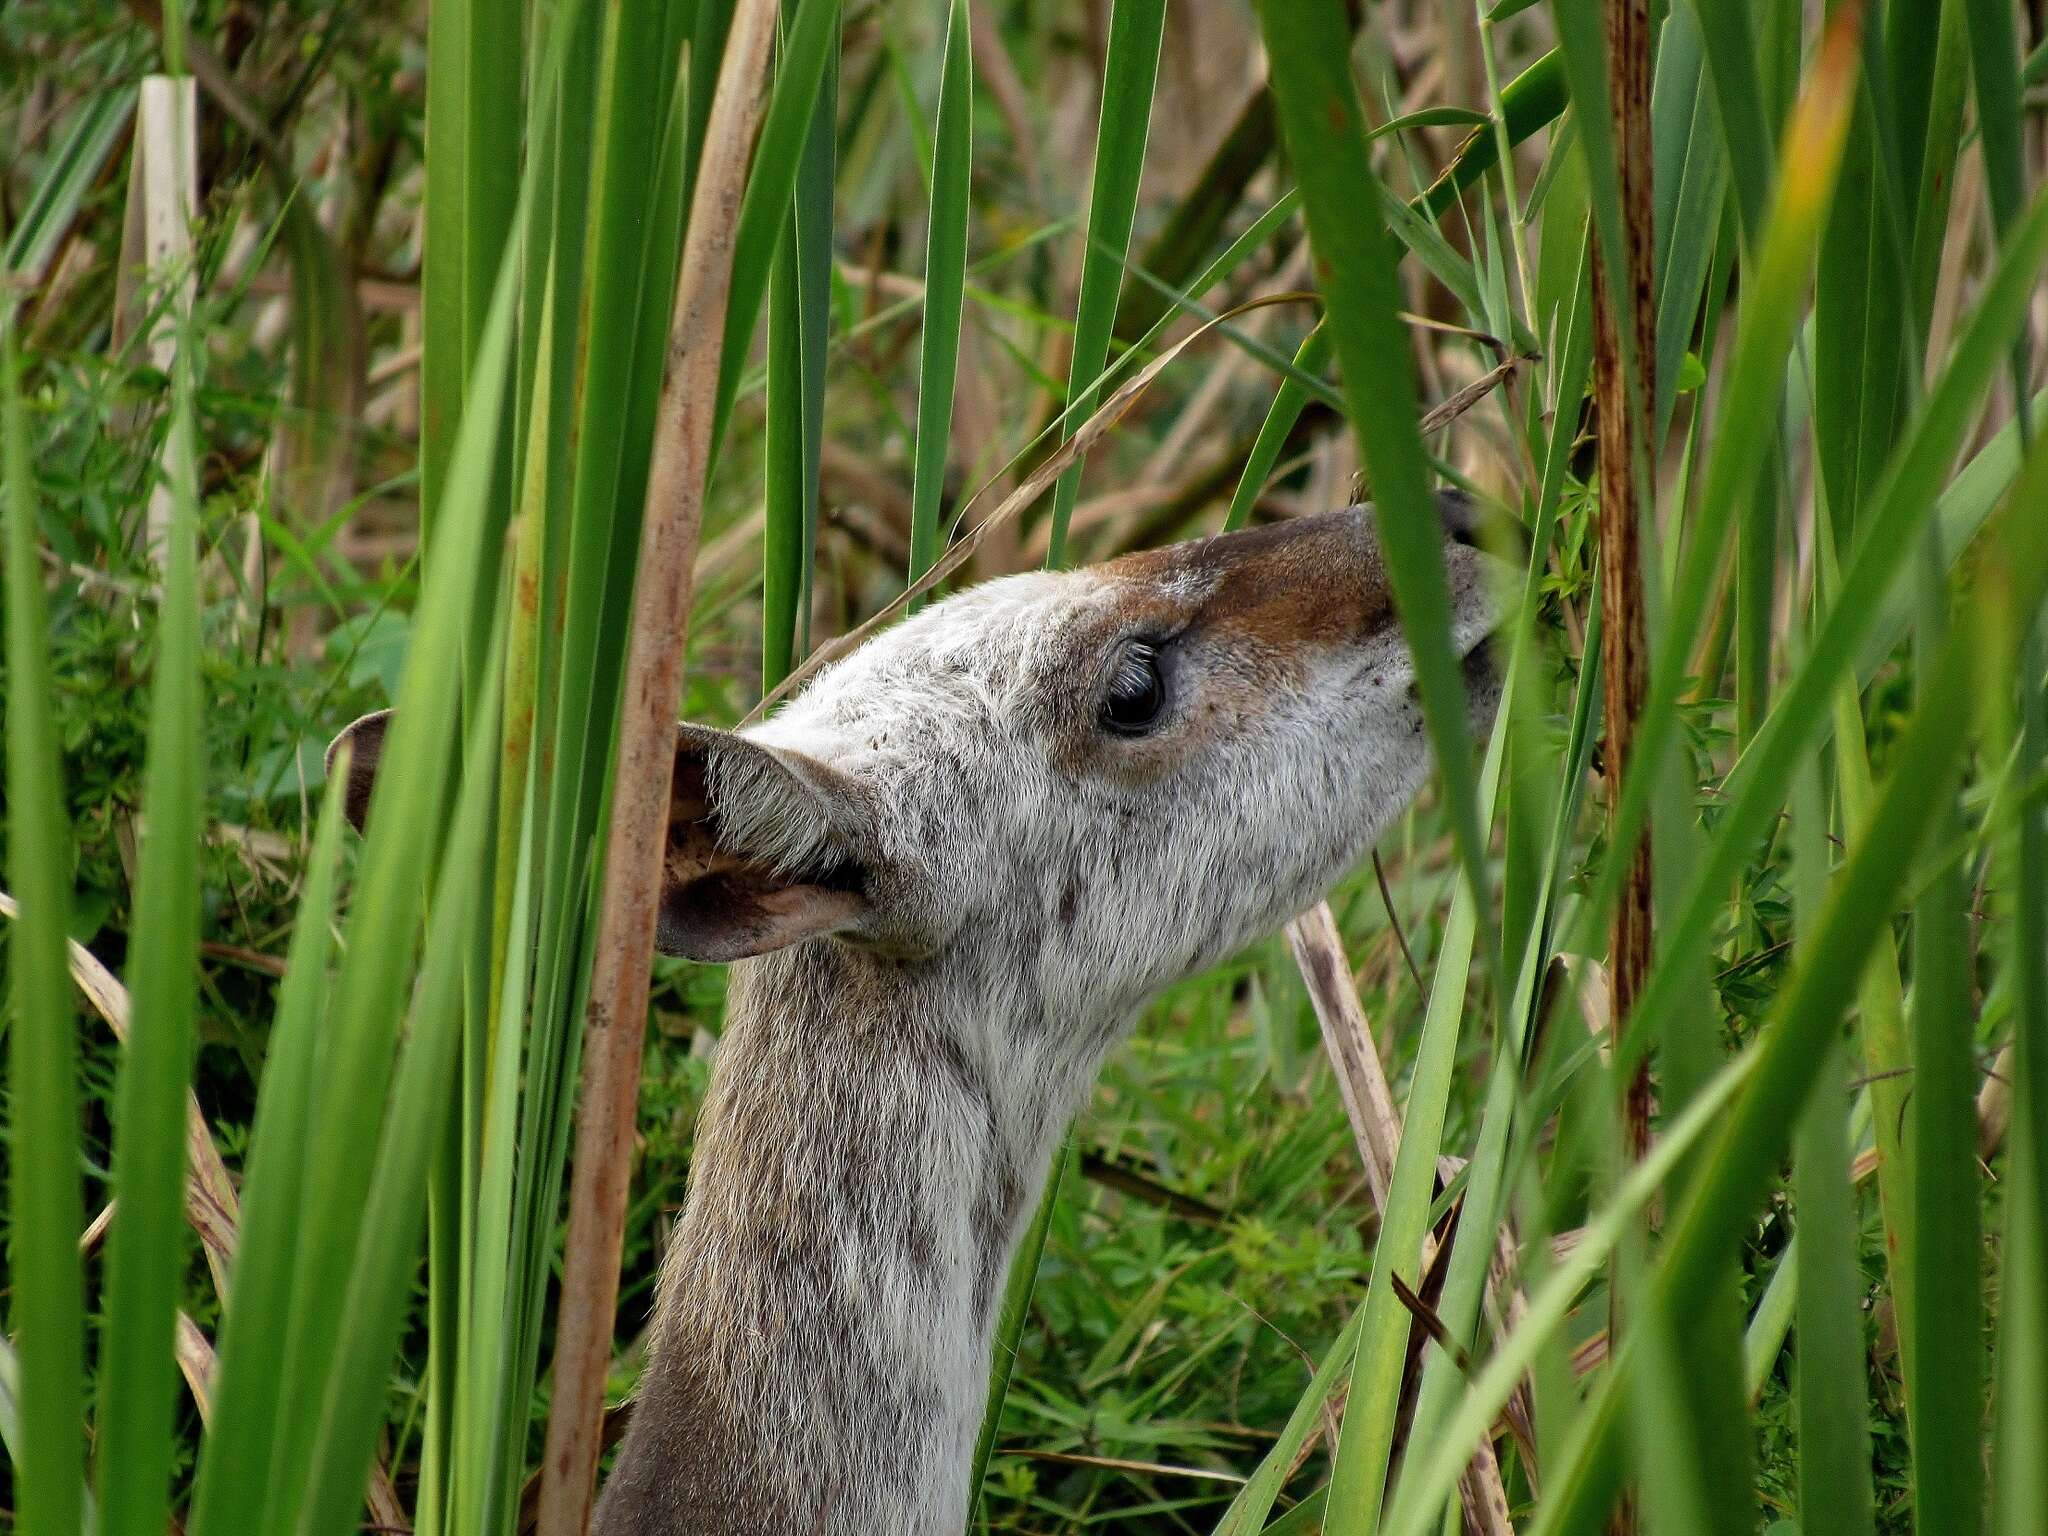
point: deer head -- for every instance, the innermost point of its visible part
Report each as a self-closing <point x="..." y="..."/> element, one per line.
<point x="1137" y="767"/>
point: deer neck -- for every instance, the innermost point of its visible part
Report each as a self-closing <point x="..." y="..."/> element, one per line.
<point x="874" y="1141"/>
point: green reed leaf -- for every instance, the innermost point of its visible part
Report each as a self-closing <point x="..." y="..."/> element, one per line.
<point x="46" y="1286"/>
<point x="147" y="1247"/>
<point x="945" y="279"/>
<point x="1136" y="28"/>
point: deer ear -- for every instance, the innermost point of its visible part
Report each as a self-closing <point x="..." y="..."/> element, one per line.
<point x="761" y="849"/>
<point x="365" y="742"/>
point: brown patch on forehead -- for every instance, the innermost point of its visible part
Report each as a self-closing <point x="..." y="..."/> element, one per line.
<point x="1307" y="582"/>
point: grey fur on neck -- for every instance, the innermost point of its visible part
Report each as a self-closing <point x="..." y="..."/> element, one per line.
<point x="858" y="1189"/>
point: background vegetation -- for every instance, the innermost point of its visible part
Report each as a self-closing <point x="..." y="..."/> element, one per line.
<point x="387" y="423"/>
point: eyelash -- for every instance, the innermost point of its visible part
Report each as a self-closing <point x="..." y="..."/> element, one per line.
<point x="1134" y="670"/>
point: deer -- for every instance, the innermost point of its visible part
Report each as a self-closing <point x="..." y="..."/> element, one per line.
<point x="947" y="875"/>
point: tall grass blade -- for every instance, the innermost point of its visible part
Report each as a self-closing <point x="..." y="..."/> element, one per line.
<point x="1325" y="129"/>
<point x="350" y="1091"/>
<point x="1938" y="158"/>
<point x="799" y="321"/>
<point x="1753" y="789"/>
<point x="371" y="1312"/>
<point x="1690" y="184"/>
<point x="147" y="1247"/>
<point x="810" y="44"/>
<point x="662" y="578"/>
<point x="1748" y="127"/>
<point x="1011" y="1318"/>
<point x="945" y="279"/>
<point x="1288" y="403"/>
<point x="1247" y="1512"/>
<point x="1489" y="1173"/>
<point x="2001" y="134"/>
<point x="246" y="1406"/>
<point x="1925" y="763"/>
<point x="1680" y="1496"/>
<point x="1530" y="102"/>
<point x="1881" y="1009"/>
<point x="1359" y="1465"/>
<point x="2020" y="1476"/>
<point x="1432" y="1475"/>
<point x="1859" y="359"/>
<point x="66" y="179"/>
<point x="46" y="1287"/>
<point x="1995" y="70"/>
<point x="1834" y="1440"/>
<point x="1136" y="28"/>
<point x="473" y="120"/>
<point x="1945" y="1406"/>
<point x="2019" y="1473"/>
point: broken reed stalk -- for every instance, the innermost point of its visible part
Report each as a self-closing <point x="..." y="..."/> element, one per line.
<point x="155" y="284"/>
<point x="1623" y="421"/>
<point x="615" y="1018"/>
<point x="1626" y="479"/>
<point x="1318" y="950"/>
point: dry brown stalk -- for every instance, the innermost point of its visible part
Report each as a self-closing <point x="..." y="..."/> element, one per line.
<point x="1626" y="298"/>
<point x="616" y="1016"/>
<point x="1318" y="949"/>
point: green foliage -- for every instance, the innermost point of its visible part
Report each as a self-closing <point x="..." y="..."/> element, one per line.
<point x="1839" y="760"/>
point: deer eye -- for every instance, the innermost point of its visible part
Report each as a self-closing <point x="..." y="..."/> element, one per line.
<point x="1137" y="692"/>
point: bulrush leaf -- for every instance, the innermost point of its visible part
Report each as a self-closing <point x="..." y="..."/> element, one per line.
<point x="945" y="278"/>
<point x="1753" y="790"/>
<point x="2019" y="1473"/>
<point x="1834" y="1440"/>
<point x="1800" y="1036"/>
<point x="371" y="1309"/>
<point x="1129" y="75"/>
<point x="1945" y="1408"/>
<point x="147" y="1247"/>
<point x="349" y="1095"/>
<point x="46" y="1300"/>
<point x="247" y="1407"/>
<point x="808" y="45"/>
<point x="799" y="320"/>
<point x="1355" y="267"/>
<point x="1288" y="403"/>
